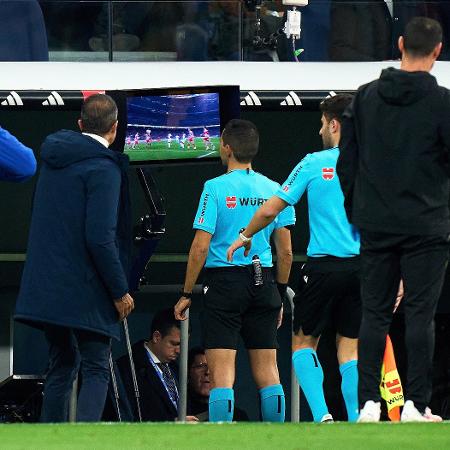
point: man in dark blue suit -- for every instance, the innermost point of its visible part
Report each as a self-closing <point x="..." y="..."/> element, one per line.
<point x="74" y="284"/>
<point x="154" y="361"/>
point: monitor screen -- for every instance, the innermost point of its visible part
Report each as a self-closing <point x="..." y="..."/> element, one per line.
<point x="173" y="127"/>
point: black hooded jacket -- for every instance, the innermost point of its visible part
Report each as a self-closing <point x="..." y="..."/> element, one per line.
<point x="393" y="163"/>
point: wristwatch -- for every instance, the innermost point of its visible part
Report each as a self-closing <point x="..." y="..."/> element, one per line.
<point x="243" y="237"/>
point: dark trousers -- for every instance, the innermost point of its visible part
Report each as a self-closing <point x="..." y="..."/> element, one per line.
<point x="421" y="262"/>
<point x="71" y="350"/>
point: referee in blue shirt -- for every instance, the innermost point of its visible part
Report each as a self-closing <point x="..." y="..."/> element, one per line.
<point x="329" y="284"/>
<point x="241" y="298"/>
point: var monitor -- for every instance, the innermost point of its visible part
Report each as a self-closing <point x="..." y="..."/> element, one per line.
<point x="178" y="125"/>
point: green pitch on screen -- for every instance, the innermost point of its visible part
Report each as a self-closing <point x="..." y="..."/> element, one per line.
<point x="158" y="151"/>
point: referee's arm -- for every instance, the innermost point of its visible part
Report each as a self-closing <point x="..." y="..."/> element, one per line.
<point x="283" y="248"/>
<point x="264" y="216"/>
<point x="196" y="261"/>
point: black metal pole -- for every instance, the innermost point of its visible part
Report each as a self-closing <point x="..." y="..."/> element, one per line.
<point x="110" y="31"/>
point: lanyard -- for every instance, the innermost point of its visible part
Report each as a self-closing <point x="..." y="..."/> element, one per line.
<point x="160" y="376"/>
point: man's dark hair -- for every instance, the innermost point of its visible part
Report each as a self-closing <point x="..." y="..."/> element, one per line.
<point x="421" y="36"/>
<point x="193" y="352"/>
<point x="163" y="321"/>
<point x="334" y="107"/>
<point x="243" y="138"/>
<point x="98" y="114"/>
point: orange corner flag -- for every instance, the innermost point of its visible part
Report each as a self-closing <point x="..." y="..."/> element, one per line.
<point x="391" y="386"/>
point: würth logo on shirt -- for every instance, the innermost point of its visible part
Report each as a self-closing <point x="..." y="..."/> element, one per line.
<point x="327" y="173"/>
<point x="286" y="188"/>
<point x="231" y="202"/>
<point x="201" y="219"/>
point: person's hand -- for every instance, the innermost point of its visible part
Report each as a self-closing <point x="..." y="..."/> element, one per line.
<point x="400" y="294"/>
<point x="238" y="244"/>
<point x="192" y="419"/>
<point x="280" y="317"/>
<point x="181" y="307"/>
<point x="124" y="305"/>
<point x="189" y="419"/>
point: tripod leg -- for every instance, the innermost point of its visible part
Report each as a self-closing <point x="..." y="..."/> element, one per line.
<point x="116" y="390"/>
<point x="133" y="371"/>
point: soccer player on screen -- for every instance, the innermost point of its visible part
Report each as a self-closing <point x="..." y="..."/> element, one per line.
<point x="206" y="139"/>
<point x="191" y="139"/>
<point x="128" y="141"/>
<point x="183" y="140"/>
<point x="169" y="140"/>
<point x="329" y="283"/>
<point x="148" y="137"/>
<point x="136" y="140"/>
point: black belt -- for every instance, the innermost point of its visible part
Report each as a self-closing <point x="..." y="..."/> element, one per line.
<point x="235" y="269"/>
<point x="333" y="263"/>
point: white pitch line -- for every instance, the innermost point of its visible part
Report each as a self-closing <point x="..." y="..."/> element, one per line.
<point x="203" y="156"/>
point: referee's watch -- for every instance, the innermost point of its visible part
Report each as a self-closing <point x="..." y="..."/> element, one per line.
<point x="243" y="237"/>
<point x="187" y="295"/>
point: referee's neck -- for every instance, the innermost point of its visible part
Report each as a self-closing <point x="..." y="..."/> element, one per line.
<point x="236" y="165"/>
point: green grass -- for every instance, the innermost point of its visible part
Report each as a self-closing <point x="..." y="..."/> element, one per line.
<point x="247" y="436"/>
<point x="160" y="151"/>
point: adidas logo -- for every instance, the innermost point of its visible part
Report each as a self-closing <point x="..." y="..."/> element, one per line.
<point x="13" y="99"/>
<point x="54" y="99"/>
<point x="330" y="94"/>
<point x="251" y="100"/>
<point x="292" y="99"/>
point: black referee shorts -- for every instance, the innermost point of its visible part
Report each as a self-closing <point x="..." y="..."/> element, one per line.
<point x="328" y="293"/>
<point x="235" y="306"/>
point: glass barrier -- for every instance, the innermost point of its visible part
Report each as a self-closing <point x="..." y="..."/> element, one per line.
<point x="230" y="30"/>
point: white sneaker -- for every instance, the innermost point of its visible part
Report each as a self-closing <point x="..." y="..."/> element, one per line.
<point x="327" y="418"/>
<point x="411" y="414"/>
<point x="370" y="412"/>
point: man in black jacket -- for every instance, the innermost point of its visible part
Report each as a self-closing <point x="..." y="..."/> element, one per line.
<point x="393" y="172"/>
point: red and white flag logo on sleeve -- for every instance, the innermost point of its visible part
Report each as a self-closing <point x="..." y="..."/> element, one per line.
<point x="327" y="173"/>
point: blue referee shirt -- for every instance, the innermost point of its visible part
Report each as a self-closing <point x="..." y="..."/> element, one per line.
<point x="330" y="231"/>
<point x="227" y="204"/>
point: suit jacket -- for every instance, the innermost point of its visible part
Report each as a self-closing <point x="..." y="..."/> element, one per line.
<point x="156" y="405"/>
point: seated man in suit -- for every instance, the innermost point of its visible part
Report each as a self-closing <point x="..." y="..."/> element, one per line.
<point x="198" y="387"/>
<point x="155" y="370"/>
